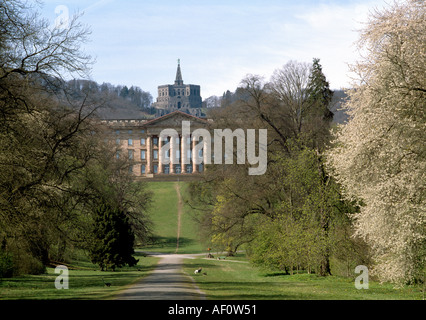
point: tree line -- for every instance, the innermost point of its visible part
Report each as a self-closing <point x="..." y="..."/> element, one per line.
<point x="333" y="196"/>
<point x="61" y="187"/>
<point x="292" y="217"/>
<point x="134" y="95"/>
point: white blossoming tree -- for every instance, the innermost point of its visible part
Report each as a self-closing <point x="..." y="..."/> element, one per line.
<point x="379" y="155"/>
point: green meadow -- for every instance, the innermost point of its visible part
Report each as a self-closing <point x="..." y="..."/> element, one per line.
<point x="164" y="215"/>
<point x="226" y="279"/>
<point x="86" y="282"/>
<point x="236" y="279"/>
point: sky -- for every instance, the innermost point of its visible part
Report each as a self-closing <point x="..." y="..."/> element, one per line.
<point x="218" y="42"/>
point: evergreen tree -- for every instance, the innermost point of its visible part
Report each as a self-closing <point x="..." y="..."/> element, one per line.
<point x="124" y="92"/>
<point x="319" y="93"/>
<point x="113" y="239"/>
<point x="226" y="98"/>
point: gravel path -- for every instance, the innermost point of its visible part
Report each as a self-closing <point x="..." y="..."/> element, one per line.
<point x="167" y="282"/>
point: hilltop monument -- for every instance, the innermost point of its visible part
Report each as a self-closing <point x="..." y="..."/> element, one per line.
<point x="179" y="96"/>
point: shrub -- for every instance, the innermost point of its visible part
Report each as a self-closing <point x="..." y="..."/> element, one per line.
<point x="6" y="265"/>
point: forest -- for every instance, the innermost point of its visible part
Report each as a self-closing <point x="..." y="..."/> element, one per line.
<point x="61" y="186"/>
<point x="335" y="195"/>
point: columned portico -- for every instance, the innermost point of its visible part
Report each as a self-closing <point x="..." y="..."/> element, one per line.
<point x="140" y="140"/>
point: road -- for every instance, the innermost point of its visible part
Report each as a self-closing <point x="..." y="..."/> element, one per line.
<point x="167" y="282"/>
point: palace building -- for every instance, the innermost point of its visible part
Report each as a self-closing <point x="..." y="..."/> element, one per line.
<point x="139" y="140"/>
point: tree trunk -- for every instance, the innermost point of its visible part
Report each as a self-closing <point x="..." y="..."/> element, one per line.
<point x="325" y="218"/>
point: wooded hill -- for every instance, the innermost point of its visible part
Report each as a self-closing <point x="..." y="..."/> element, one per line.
<point x="122" y="102"/>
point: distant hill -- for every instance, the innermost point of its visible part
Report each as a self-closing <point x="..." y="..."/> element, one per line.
<point x="119" y="102"/>
<point x="339" y="97"/>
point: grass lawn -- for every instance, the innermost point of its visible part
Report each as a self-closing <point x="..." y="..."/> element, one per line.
<point x="165" y="220"/>
<point x="227" y="280"/>
<point x="85" y="282"/>
<point x="85" y="279"/>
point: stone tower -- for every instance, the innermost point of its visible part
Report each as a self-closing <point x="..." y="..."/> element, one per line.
<point x="179" y="96"/>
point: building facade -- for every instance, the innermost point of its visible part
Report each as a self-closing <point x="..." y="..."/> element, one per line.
<point x="139" y="141"/>
<point x="179" y="96"/>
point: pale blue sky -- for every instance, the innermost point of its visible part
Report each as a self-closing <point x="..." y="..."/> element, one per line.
<point x="218" y="42"/>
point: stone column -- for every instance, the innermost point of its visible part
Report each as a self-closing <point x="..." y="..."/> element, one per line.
<point x="183" y="149"/>
<point x="194" y="166"/>
<point x="148" y="154"/>
<point x="172" y="154"/>
<point x="160" y="155"/>
<point x="206" y="152"/>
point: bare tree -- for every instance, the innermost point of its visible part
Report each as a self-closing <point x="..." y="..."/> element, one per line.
<point x="289" y="86"/>
<point x="52" y="145"/>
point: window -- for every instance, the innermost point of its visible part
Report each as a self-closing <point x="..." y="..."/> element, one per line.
<point x="117" y="141"/>
<point x="166" y="169"/>
<point x="117" y="155"/>
<point x="130" y="169"/>
<point x="143" y="141"/>
<point x="155" y="154"/>
<point x="155" y="141"/>
<point x="130" y="131"/>
<point x="143" y="169"/>
<point x="130" y="142"/>
<point x="117" y="131"/>
<point x="142" y="131"/>
<point x="143" y="154"/>
<point x="188" y="168"/>
<point x="178" y="169"/>
<point x="177" y="154"/>
<point x="155" y="168"/>
<point x="130" y="154"/>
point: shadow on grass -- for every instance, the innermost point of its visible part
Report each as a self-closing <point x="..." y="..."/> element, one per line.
<point x="218" y="290"/>
<point x="186" y="242"/>
<point x="204" y="266"/>
<point x="168" y="244"/>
